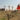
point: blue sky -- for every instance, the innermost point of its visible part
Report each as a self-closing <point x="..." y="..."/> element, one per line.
<point x="13" y="3"/>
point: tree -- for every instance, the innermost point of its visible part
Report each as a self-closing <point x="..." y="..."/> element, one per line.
<point x="12" y="8"/>
<point x="4" y="6"/>
<point x="9" y="7"/>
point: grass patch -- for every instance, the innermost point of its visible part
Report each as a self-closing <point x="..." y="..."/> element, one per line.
<point x="2" y="18"/>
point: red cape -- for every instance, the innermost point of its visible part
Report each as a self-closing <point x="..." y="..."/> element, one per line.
<point x="18" y="7"/>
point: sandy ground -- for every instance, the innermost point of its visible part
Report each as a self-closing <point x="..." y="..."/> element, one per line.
<point x="17" y="17"/>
